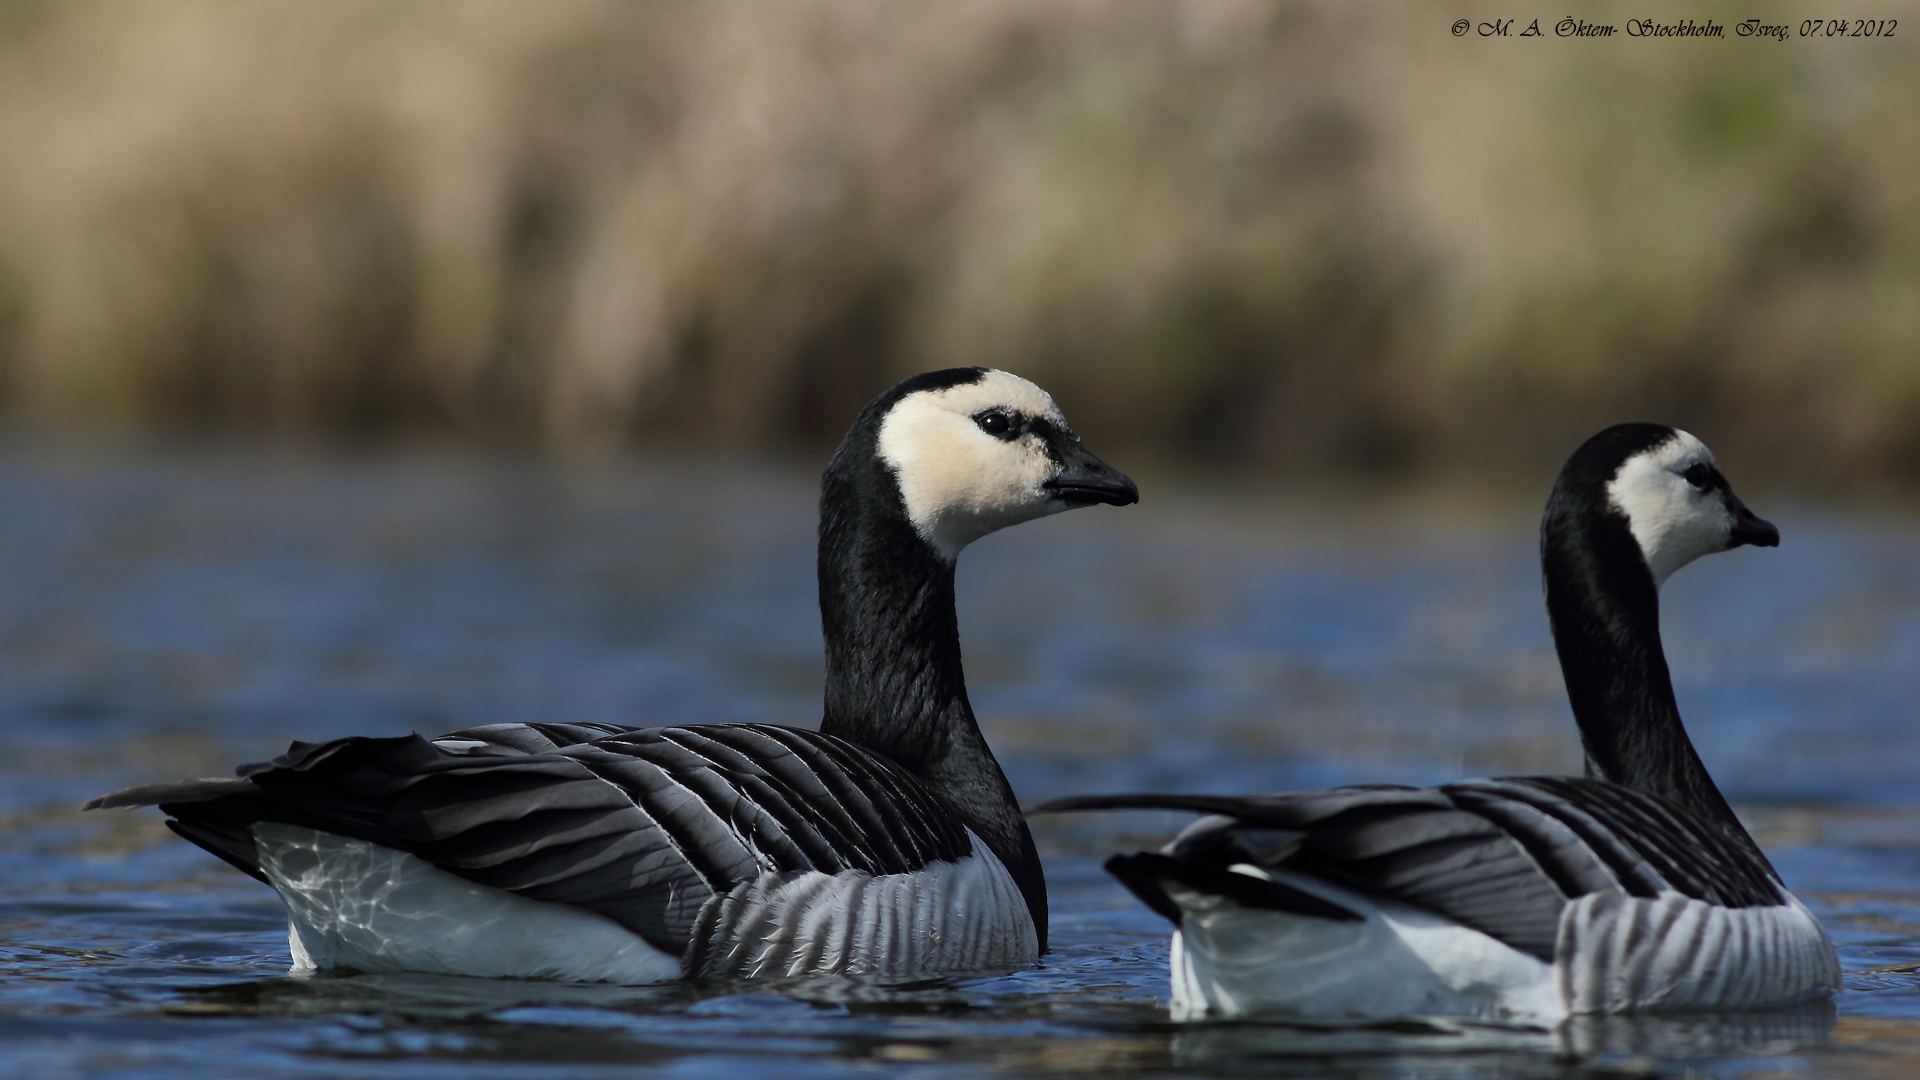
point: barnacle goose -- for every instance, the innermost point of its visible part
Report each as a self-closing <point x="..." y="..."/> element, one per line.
<point x="887" y="842"/>
<point x="1632" y="889"/>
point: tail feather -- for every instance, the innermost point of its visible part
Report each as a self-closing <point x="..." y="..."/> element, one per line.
<point x="234" y="844"/>
<point x="1134" y="871"/>
<point x="175" y="791"/>
<point x="1283" y="809"/>
<point x="1146" y="873"/>
<point x="1232" y="805"/>
<point x="216" y="814"/>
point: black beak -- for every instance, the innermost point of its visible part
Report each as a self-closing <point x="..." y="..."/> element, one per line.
<point x="1749" y="529"/>
<point x="1084" y="480"/>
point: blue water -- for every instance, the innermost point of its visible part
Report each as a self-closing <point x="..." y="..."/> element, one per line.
<point x="168" y="613"/>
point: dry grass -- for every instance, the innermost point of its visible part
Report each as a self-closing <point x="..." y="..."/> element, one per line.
<point x="1301" y="235"/>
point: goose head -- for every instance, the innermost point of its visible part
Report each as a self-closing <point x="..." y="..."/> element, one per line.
<point x="1670" y="492"/>
<point x="974" y="450"/>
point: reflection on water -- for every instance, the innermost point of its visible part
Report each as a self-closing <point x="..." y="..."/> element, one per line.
<point x="1449" y="1047"/>
<point x="167" y="615"/>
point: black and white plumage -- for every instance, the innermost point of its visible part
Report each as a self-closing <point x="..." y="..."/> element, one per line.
<point x="887" y="842"/>
<point x="1632" y="889"/>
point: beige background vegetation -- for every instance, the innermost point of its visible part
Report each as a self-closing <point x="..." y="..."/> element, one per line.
<point x="1289" y="236"/>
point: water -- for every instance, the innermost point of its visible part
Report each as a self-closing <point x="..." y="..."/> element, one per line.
<point x="169" y="614"/>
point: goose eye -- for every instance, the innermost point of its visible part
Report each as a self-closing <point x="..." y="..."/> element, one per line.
<point x="997" y="424"/>
<point x="1699" y="475"/>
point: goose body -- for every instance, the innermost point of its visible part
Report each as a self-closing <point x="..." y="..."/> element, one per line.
<point x="887" y="842"/>
<point x="1634" y="888"/>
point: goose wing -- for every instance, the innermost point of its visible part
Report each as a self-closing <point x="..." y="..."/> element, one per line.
<point x="641" y="825"/>
<point x="1504" y="857"/>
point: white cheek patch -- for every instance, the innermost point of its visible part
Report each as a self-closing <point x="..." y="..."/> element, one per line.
<point x="1674" y="522"/>
<point x="958" y="482"/>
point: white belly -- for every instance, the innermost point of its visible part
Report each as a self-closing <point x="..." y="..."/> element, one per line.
<point x="353" y="904"/>
<point x="1614" y="954"/>
<point x="1229" y="961"/>
<point x="358" y="905"/>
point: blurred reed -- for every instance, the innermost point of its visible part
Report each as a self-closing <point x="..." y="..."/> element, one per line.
<point x="1290" y="235"/>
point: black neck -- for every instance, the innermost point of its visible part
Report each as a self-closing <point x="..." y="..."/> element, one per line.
<point x="894" y="680"/>
<point x="1605" y="610"/>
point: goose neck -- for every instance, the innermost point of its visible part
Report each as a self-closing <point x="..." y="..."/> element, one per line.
<point x="894" y="679"/>
<point x="1605" y="612"/>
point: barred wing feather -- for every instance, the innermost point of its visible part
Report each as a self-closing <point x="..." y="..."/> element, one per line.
<point x="643" y="826"/>
<point x="1635" y="903"/>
